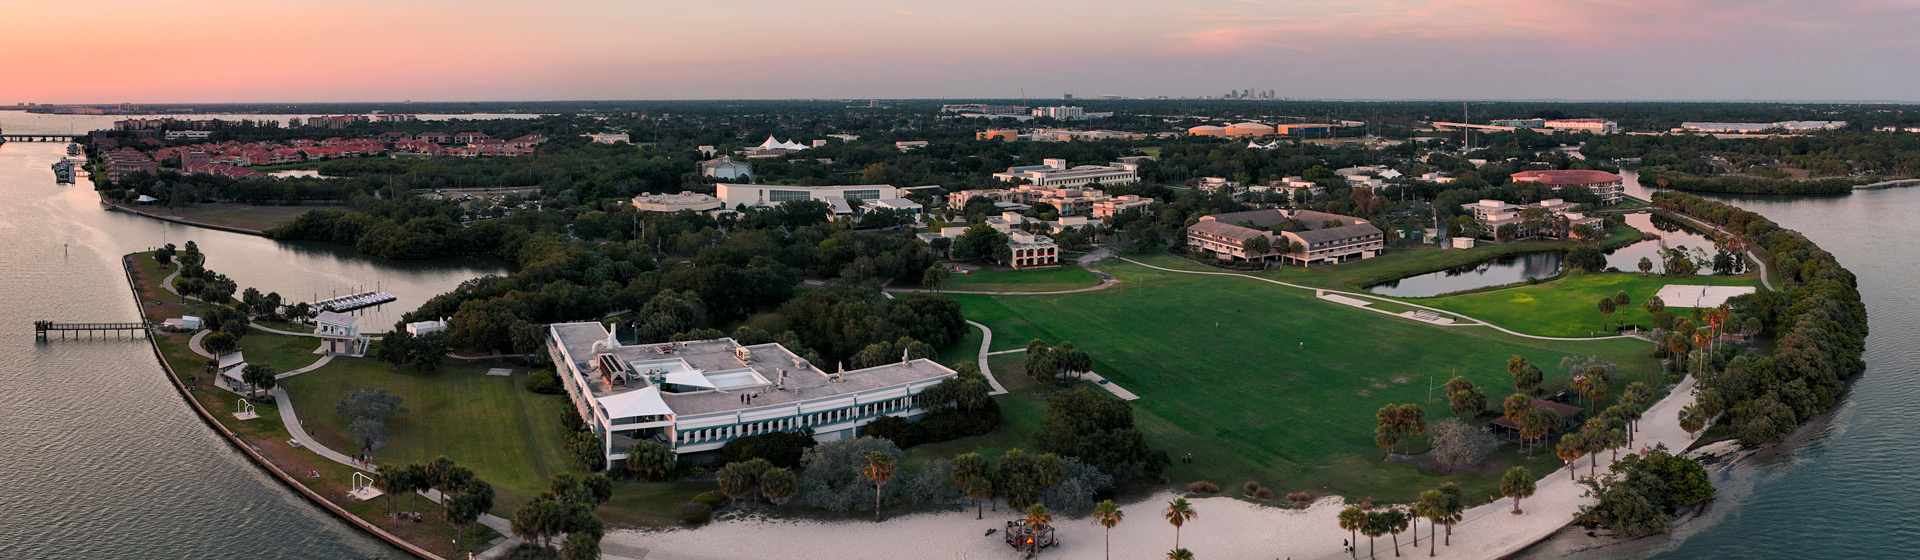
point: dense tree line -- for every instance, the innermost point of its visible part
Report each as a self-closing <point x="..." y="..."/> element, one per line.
<point x="1817" y="319"/>
<point x="1745" y="185"/>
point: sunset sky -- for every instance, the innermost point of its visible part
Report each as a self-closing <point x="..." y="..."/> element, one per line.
<point x="365" y="50"/>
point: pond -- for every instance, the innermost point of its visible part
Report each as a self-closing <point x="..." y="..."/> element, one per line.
<point x="1510" y="269"/>
<point x="1662" y="231"/>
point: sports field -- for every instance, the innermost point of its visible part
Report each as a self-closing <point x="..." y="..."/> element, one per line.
<point x="1569" y="306"/>
<point x="1263" y="382"/>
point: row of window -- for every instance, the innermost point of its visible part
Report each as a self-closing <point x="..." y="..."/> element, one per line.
<point x="685" y="437"/>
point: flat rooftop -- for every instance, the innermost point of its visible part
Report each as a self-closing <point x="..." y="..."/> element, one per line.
<point x="708" y="376"/>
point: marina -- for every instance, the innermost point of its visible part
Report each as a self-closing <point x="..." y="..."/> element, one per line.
<point x="354" y="301"/>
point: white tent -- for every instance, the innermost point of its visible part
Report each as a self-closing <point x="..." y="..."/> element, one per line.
<point x="644" y="402"/>
<point x="772" y="144"/>
<point x="690" y="378"/>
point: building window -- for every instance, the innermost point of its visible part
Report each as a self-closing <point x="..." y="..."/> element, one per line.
<point x="779" y="196"/>
<point x="864" y="194"/>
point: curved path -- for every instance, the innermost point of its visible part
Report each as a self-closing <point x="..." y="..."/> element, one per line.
<point x="986" y="340"/>
<point x="1752" y="256"/>
<point x="1322" y="293"/>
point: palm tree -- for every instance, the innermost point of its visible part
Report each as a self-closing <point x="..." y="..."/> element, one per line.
<point x="1455" y="507"/>
<point x="1179" y="554"/>
<point x="1607" y="307"/>
<point x="1433" y="506"/>
<point x="1570" y="449"/>
<point x="1396" y="520"/>
<point x="390" y="479"/>
<point x="1353" y="519"/>
<point x="1107" y="514"/>
<point x="1179" y="512"/>
<point x="1517" y="484"/>
<point x="1038" y="517"/>
<point x="880" y="469"/>
<point x="1693" y="417"/>
<point x="1375" y="527"/>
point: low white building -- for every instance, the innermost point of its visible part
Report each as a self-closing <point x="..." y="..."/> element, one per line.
<point x="910" y="145"/>
<point x="608" y="137"/>
<point x="1030" y="250"/>
<point x="418" y="328"/>
<point x="698" y="395"/>
<point x="733" y="195"/>
<point x="1054" y="172"/>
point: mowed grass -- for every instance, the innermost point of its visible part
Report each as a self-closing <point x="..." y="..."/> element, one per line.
<point x="239" y="215"/>
<point x="509" y="436"/>
<point x="1067" y="276"/>
<point x="1265" y="383"/>
<point x="1569" y="306"/>
<point x="285" y="353"/>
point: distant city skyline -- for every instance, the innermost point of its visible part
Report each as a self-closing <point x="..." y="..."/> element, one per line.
<point x="213" y="51"/>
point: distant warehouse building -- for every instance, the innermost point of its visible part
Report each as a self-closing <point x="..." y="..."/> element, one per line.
<point x="1607" y="186"/>
<point x="696" y="396"/>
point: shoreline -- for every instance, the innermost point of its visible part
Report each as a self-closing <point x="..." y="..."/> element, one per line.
<point x="255" y="456"/>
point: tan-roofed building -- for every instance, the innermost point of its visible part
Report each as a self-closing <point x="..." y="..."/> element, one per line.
<point x="1320" y="243"/>
<point x="685" y="200"/>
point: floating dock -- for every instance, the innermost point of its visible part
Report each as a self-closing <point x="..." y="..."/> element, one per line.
<point x="352" y="302"/>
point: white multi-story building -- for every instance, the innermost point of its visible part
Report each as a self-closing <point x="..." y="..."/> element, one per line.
<point x="1055" y="173"/>
<point x="698" y="395"/>
<point x="1030" y="250"/>
<point x="1062" y="113"/>
<point x="838" y="197"/>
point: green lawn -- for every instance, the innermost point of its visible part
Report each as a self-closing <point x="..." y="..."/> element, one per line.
<point x="1065" y="277"/>
<point x="1569" y="306"/>
<point x="1247" y="400"/>
<point x="1021" y="410"/>
<point x="509" y="436"/>
<point x="285" y="353"/>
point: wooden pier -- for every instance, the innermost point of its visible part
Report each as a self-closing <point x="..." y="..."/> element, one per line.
<point x="41" y="328"/>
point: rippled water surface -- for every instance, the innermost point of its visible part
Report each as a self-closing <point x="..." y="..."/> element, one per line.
<point x="102" y="458"/>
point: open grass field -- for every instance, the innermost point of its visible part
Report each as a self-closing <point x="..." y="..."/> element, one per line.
<point x="1067" y="276"/>
<point x="509" y="436"/>
<point x="284" y="353"/>
<point x="1568" y="306"/>
<point x="1222" y="373"/>
<point x="1397" y="263"/>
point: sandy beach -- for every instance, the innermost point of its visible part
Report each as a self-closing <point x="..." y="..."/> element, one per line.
<point x="1225" y="528"/>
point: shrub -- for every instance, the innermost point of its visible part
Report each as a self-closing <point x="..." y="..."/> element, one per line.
<point x="1249" y="488"/>
<point x="783" y="449"/>
<point x="893" y="428"/>
<point x="545" y="383"/>
<point x="709" y="499"/>
<point x="1263" y="494"/>
<point x="695" y="513"/>
<point x="1203" y="487"/>
<point x="1459" y="445"/>
<point x="1300" y="497"/>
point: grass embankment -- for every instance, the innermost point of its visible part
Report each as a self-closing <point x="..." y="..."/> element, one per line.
<point x="1222" y="374"/>
<point x="1067" y="276"/>
<point x="509" y="436"/>
<point x="1568" y="306"/>
<point x="268" y="436"/>
<point x="236" y="215"/>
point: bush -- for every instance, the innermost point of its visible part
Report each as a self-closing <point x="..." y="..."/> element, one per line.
<point x="892" y="428"/>
<point x="1458" y="445"/>
<point x="1263" y="494"/>
<point x="1300" y="497"/>
<point x="695" y="513"/>
<point x="1249" y="488"/>
<point x="709" y="499"/>
<point x="545" y="383"/>
<point x="783" y="449"/>
<point x="1203" y="487"/>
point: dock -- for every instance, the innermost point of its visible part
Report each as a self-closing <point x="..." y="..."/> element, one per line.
<point x="41" y="328"/>
<point x="354" y="301"/>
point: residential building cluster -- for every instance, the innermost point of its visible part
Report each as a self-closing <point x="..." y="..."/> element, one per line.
<point x="1324" y="239"/>
<point x="1552" y="217"/>
<point x="1055" y="135"/>
<point x="698" y="395"/>
<point x="464" y="144"/>
<point x="238" y="154"/>
<point x="125" y="162"/>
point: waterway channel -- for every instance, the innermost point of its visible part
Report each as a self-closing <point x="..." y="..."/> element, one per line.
<point x="103" y="458"/>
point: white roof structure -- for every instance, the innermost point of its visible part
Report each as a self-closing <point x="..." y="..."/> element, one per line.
<point x="231" y="360"/>
<point x="772" y="144"/>
<point x="145" y="198"/>
<point x="340" y="319"/>
<point x="644" y="402"/>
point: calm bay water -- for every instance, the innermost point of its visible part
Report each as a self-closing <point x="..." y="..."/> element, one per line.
<point x="102" y="458"/>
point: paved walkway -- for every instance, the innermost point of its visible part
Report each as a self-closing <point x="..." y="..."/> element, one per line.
<point x="317" y="364"/>
<point x="1323" y="293"/>
<point x="1751" y="256"/>
<point x="986" y="341"/>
